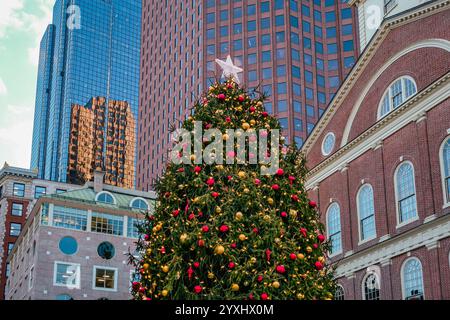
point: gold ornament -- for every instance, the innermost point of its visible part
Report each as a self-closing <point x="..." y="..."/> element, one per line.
<point x="267" y="218"/>
<point x="321" y="259"/>
<point x="246" y="190"/>
<point x="309" y="249"/>
<point x="219" y="250"/>
<point x="218" y="210"/>
<point x="235" y="287"/>
<point x="193" y="157"/>
<point x="184" y="237"/>
<point x="242" y="174"/>
<point x="210" y="275"/>
<point x="276" y="284"/>
<point x="165" y="269"/>
<point x="146" y="266"/>
<point x="239" y="215"/>
<point x="270" y="201"/>
<point x="301" y="256"/>
<point x="245" y="126"/>
<point x="164" y="293"/>
<point x="225" y="137"/>
<point x="300" y="296"/>
<point x="252" y="122"/>
<point x="242" y="237"/>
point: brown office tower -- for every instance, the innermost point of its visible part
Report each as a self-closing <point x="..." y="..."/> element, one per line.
<point x="298" y="52"/>
<point x="87" y="142"/>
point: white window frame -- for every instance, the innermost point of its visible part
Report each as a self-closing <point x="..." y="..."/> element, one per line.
<point x="404" y="223"/>
<point x="332" y="254"/>
<point x="361" y="240"/>
<point x="343" y="290"/>
<point x="108" y="193"/>
<point x="370" y="271"/>
<point x="329" y="134"/>
<point x="442" y="164"/>
<point x="139" y="198"/>
<point x="402" y="277"/>
<point x="78" y="278"/>
<point x="388" y="92"/>
<point x="116" y="274"/>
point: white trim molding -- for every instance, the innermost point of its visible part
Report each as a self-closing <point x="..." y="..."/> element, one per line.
<point x="418" y="237"/>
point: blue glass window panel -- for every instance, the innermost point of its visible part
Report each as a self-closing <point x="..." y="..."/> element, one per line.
<point x="284" y="123"/>
<point x="211" y="17"/>
<point x="307" y="43"/>
<point x="334" y="82"/>
<point x="252" y="42"/>
<point x="306" y="11"/>
<point x="281" y="71"/>
<point x="306" y="26"/>
<point x="298" y="124"/>
<point x="346" y="13"/>
<point x="224" y="15"/>
<point x="308" y="76"/>
<point x="297" y="89"/>
<point x="265" y="39"/>
<point x="295" y="54"/>
<point x="252" y="75"/>
<point x="308" y="59"/>
<point x="297" y="106"/>
<point x="332" y="48"/>
<point x="251" y="25"/>
<point x="310" y="111"/>
<point x="267" y="89"/>
<point x="224" y="47"/>
<point x="210" y="33"/>
<point x="281" y="54"/>
<point x="252" y="58"/>
<point x="317" y="16"/>
<point x="265" y="6"/>
<point x="318" y="32"/>
<point x="237" y="12"/>
<point x="266" y="56"/>
<point x="321" y="97"/>
<point x="211" y="49"/>
<point x="347" y="29"/>
<point x="309" y="93"/>
<point x="333" y="65"/>
<point x="282" y="106"/>
<point x="294" y="21"/>
<point x="268" y="107"/>
<point x="331" y="32"/>
<point x="296" y="72"/>
<point x="237" y="45"/>
<point x="265" y="23"/>
<point x="237" y="28"/>
<point x="282" y="88"/>
<point x="280" y="37"/>
<point x="267" y="73"/>
<point x="251" y="9"/>
<point x="224" y="31"/>
<point x="330" y="16"/>
<point x="320" y="81"/>
<point x="348" y="45"/>
<point x="319" y="47"/>
<point x="294" y="5"/>
<point x="279" y="4"/>
<point x="320" y="64"/>
<point x="349" y="62"/>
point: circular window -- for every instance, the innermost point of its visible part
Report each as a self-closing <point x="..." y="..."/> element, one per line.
<point x="68" y="245"/>
<point x="328" y="144"/>
<point x="106" y="250"/>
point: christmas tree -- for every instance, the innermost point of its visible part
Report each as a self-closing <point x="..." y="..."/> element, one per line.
<point x="233" y="231"/>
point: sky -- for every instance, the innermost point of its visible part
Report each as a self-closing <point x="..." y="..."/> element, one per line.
<point x="22" y="24"/>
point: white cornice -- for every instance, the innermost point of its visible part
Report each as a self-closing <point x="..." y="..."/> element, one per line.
<point x="364" y="60"/>
<point x="408" y="112"/>
<point x="427" y="235"/>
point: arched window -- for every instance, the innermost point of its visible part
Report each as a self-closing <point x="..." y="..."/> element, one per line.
<point x="339" y="294"/>
<point x="366" y="213"/>
<point x="105" y="197"/>
<point x="139" y="204"/>
<point x="400" y="91"/>
<point x="405" y="192"/>
<point x="334" y="228"/>
<point x="445" y="165"/>
<point x="371" y="287"/>
<point x="412" y="280"/>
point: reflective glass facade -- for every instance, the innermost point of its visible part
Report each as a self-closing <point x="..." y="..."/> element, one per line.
<point x="97" y="57"/>
<point x="297" y="51"/>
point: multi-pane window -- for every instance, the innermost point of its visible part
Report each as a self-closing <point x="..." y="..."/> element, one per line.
<point x="406" y="192"/>
<point x="105" y="198"/>
<point x="39" y="192"/>
<point x="105" y="278"/>
<point x="69" y="218"/>
<point x="371" y="287"/>
<point x="412" y="280"/>
<point x="15" y="229"/>
<point x="106" y="223"/>
<point x="334" y="228"/>
<point x="17" y="209"/>
<point x="400" y="91"/>
<point x="66" y="274"/>
<point x="339" y="293"/>
<point x="139" y="204"/>
<point x="19" y="190"/>
<point x="366" y="212"/>
<point x="133" y="227"/>
<point x="389" y="5"/>
<point x="446" y="169"/>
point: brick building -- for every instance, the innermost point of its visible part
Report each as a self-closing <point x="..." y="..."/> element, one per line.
<point x="19" y="191"/>
<point x="297" y="52"/>
<point x="75" y="245"/>
<point x="90" y="133"/>
<point x="379" y="161"/>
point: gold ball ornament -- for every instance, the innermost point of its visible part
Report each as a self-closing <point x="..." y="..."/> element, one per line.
<point x="270" y="201"/>
<point x="321" y="259"/>
<point x="309" y="249"/>
<point x="164" y="293"/>
<point x="184" y="237"/>
<point x="219" y="250"/>
<point x="193" y="157"/>
<point x="165" y="269"/>
<point x="235" y="287"/>
<point x="245" y="126"/>
<point x="276" y="284"/>
<point x="225" y="137"/>
<point x="252" y="122"/>
<point x="242" y="237"/>
<point x="301" y="256"/>
<point x="242" y="174"/>
<point x="146" y="266"/>
<point x="239" y="215"/>
<point x="218" y="210"/>
<point x="210" y="275"/>
<point x="246" y="190"/>
<point x="300" y="296"/>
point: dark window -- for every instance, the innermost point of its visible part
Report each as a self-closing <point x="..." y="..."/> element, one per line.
<point x="106" y="250"/>
<point x="58" y="191"/>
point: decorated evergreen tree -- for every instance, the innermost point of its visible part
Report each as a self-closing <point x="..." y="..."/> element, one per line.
<point x="228" y="231"/>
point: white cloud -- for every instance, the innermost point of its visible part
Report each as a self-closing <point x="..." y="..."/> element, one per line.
<point x="16" y="135"/>
<point x="38" y="24"/>
<point x="3" y="88"/>
<point x="10" y="15"/>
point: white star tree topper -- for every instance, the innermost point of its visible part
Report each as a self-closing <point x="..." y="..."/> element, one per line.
<point x="229" y="69"/>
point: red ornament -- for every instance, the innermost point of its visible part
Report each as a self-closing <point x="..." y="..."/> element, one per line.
<point x="260" y="279"/>
<point x="283" y="214"/>
<point x="252" y="109"/>
<point x="251" y="297"/>
<point x="257" y="182"/>
<point x="230" y="86"/>
<point x="191" y="216"/>
<point x="221" y="96"/>
<point x="303" y="231"/>
<point x="281" y="269"/>
<point x="318" y="265"/>
<point x="276" y="187"/>
<point x="163" y="250"/>
<point x="264" y="296"/>
<point x="230" y="178"/>
<point x="146" y="237"/>
<point x="167" y="194"/>
<point x="291" y="179"/>
<point x="294" y="197"/>
<point x="231" y="265"/>
<point x="228" y="119"/>
<point x="268" y="253"/>
<point x="141" y="289"/>
<point x="280" y="172"/>
<point x="201" y="243"/>
<point x="312" y="204"/>
<point x="197" y="169"/>
<point x="196" y="265"/>
<point x="233" y="245"/>
<point x="255" y="230"/>
<point x="205" y="229"/>
<point x="215" y="194"/>
<point x="265" y="114"/>
<point x="315" y="245"/>
<point x="210" y="182"/>
<point x="190" y="272"/>
<point x="175" y="213"/>
<point x="241" y="98"/>
<point x="224" y="228"/>
<point x="200" y="214"/>
<point x="293" y="256"/>
<point x="321" y="238"/>
<point x="198" y="289"/>
<point x="181" y="170"/>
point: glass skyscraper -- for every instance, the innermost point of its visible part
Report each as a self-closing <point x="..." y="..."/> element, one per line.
<point x="91" y="49"/>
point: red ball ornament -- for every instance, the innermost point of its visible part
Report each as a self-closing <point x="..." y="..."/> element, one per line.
<point x="321" y="238"/>
<point x="205" y="229"/>
<point x="264" y="296"/>
<point x="163" y="250"/>
<point x="198" y="289"/>
<point x="196" y="265"/>
<point x="252" y="109"/>
<point x="224" y="228"/>
<point x="281" y="269"/>
<point x="251" y="296"/>
<point x="197" y="169"/>
<point x="181" y="170"/>
<point x="146" y="237"/>
<point x="191" y="216"/>
<point x="255" y="230"/>
<point x="312" y="204"/>
<point x="293" y="256"/>
<point x="303" y="231"/>
<point x="210" y="182"/>
<point x="265" y="114"/>
<point x="230" y="178"/>
<point x="228" y="119"/>
<point x="259" y="279"/>
<point x="200" y="214"/>
<point x="315" y="245"/>
<point x="215" y="194"/>
<point x="221" y="96"/>
<point x="284" y="214"/>
<point x="233" y="245"/>
<point x="241" y="98"/>
<point x="231" y="265"/>
<point x="275" y="187"/>
<point x="294" y="197"/>
<point x="257" y="182"/>
<point x="175" y="213"/>
<point x="201" y="243"/>
<point x="318" y="265"/>
<point x="280" y="172"/>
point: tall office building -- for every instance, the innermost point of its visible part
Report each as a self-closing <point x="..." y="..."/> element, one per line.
<point x="87" y="137"/>
<point x="91" y="49"/>
<point x="299" y="52"/>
